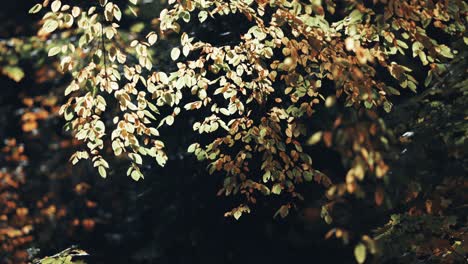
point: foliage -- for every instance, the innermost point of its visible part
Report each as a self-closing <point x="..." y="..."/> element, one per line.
<point x="432" y="223"/>
<point x="426" y="237"/>
<point x="15" y="226"/>
<point x="64" y="257"/>
<point x="258" y="93"/>
<point x="289" y="94"/>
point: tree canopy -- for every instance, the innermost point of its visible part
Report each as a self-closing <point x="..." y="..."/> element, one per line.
<point x="316" y="120"/>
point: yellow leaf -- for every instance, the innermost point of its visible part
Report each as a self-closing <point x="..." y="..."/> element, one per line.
<point x="315" y="138"/>
<point x="102" y="171"/>
<point x="175" y="53"/>
<point x="237" y="214"/>
<point x="360" y="253"/>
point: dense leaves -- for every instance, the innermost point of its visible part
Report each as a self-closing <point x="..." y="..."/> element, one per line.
<point x="260" y="92"/>
<point x="290" y="105"/>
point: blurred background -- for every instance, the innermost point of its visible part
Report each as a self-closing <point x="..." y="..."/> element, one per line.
<point x="174" y="215"/>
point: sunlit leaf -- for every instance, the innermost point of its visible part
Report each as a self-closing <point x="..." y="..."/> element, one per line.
<point x="175" y="53"/>
<point x="35" y="9"/>
<point x="360" y="253"/>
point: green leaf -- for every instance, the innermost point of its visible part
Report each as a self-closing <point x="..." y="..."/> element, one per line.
<point x="136" y="175"/>
<point x="185" y="16"/>
<point x="315" y="138"/>
<point x="169" y="120"/>
<point x="266" y="176"/>
<point x="276" y="189"/>
<point x="402" y="44"/>
<point x="54" y="51"/>
<point x="308" y="176"/>
<point x="102" y="171"/>
<point x="48" y="260"/>
<point x="360" y="253"/>
<point x="412" y="86"/>
<point x="192" y="148"/>
<point x="355" y="16"/>
<point x="445" y="51"/>
<point x="14" y="73"/>
<point x="392" y="90"/>
<point x="264" y="189"/>
<point x="387" y="106"/>
<point x="202" y="16"/>
<point x="36" y="8"/>
<point x="117" y="13"/>
<point x="428" y="79"/>
<point x="50" y="26"/>
<point x="368" y="104"/>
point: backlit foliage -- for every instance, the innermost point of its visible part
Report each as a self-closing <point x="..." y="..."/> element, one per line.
<point x="67" y="256"/>
<point x="258" y="95"/>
